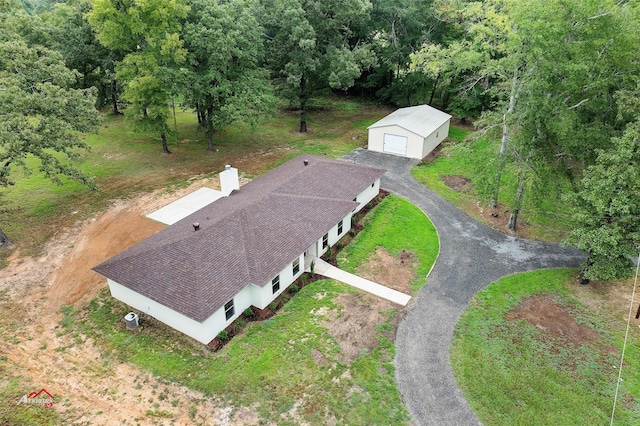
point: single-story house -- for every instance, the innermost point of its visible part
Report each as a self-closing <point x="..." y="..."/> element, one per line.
<point x="242" y="250"/>
<point x="409" y="132"/>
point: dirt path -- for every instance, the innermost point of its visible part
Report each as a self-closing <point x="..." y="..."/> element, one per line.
<point x="89" y="387"/>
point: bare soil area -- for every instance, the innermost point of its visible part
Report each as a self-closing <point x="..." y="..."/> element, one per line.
<point x="553" y="319"/>
<point x="388" y="270"/>
<point x="88" y="386"/>
<point x="496" y="217"/>
<point x="354" y="324"/>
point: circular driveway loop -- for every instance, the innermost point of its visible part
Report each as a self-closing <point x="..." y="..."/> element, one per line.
<point x="472" y="256"/>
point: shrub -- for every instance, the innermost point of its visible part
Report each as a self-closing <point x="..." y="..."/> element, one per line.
<point x="273" y="305"/>
<point x="329" y="253"/>
<point x="223" y="335"/>
<point x="238" y="325"/>
<point x="248" y="312"/>
<point x="352" y="232"/>
<point x="293" y="288"/>
<point x="339" y="245"/>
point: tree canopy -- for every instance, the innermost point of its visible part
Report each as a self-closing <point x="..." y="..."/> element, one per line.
<point x="223" y="80"/>
<point x="607" y="217"/>
<point x="555" y="81"/>
<point x="41" y="113"/>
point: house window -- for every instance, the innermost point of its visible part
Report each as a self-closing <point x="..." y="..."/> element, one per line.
<point x="373" y="184"/>
<point x="229" y="310"/>
<point x="275" y="284"/>
<point x="339" y="227"/>
<point x="325" y="241"/>
<point x="296" y="266"/>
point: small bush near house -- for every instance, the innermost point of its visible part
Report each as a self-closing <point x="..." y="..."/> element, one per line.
<point x="223" y="335"/>
<point x="293" y="288"/>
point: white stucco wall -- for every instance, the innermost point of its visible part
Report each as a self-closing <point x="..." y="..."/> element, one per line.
<point x="367" y="195"/>
<point x="203" y="332"/>
<point x="434" y="139"/>
<point x="263" y="295"/>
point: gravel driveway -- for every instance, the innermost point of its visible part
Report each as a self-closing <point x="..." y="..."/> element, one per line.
<point x="472" y="256"/>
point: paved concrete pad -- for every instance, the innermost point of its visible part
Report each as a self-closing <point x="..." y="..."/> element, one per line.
<point x="325" y="269"/>
<point x="186" y="205"/>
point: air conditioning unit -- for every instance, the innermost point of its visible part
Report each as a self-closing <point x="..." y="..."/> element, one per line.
<point x="132" y="321"/>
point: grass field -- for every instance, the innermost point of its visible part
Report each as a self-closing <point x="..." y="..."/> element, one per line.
<point x="126" y="160"/>
<point x="398" y="226"/>
<point x="270" y="365"/>
<point x="514" y="373"/>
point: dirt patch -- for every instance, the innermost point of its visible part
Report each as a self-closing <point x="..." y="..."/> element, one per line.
<point x="354" y="324"/>
<point x="613" y="297"/>
<point x="435" y="153"/>
<point x="89" y="387"/>
<point x="457" y="183"/>
<point x="465" y="123"/>
<point x="319" y="358"/>
<point x="553" y="319"/>
<point x="394" y="272"/>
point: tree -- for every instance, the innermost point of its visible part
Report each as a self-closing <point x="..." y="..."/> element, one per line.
<point x="316" y="45"/>
<point x="71" y="35"/>
<point x="400" y="29"/>
<point x="41" y="113"/>
<point x="549" y="70"/>
<point x="223" y="80"/>
<point x="149" y="32"/>
<point x="606" y="221"/>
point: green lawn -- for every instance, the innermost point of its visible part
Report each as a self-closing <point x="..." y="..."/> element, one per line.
<point x="544" y="211"/>
<point x="513" y="373"/>
<point x="126" y="160"/>
<point x="270" y="364"/>
<point x="396" y="225"/>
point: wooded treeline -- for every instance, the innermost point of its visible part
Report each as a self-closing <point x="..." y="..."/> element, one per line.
<point x="556" y="81"/>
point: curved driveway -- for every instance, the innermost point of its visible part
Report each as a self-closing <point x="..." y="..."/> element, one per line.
<point x="472" y="256"/>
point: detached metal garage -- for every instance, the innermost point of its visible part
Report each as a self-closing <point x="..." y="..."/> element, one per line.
<point x="409" y="132"/>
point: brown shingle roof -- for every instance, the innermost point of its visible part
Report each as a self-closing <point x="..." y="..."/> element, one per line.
<point x="248" y="237"/>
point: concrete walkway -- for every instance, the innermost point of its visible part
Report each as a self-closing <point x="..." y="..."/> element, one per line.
<point x="327" y="270"/>
<point x="472" y="256"/>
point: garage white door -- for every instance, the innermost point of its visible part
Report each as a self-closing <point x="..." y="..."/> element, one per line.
<point x="395" y="144"/>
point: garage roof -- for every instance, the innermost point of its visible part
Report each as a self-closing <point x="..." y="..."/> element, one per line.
<point x="421" y="120"/>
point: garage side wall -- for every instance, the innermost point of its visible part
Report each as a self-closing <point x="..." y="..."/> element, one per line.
<point x="435" y="138"/>
<point x="414" y="142"/>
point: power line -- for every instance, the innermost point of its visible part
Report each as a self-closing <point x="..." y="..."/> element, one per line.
<point x="624" y="345"/>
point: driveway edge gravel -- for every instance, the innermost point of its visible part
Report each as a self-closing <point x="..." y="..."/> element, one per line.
<point x="471" y="257"/>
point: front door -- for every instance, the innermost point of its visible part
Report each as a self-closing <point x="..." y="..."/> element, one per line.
<point x="312" y="251"/>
